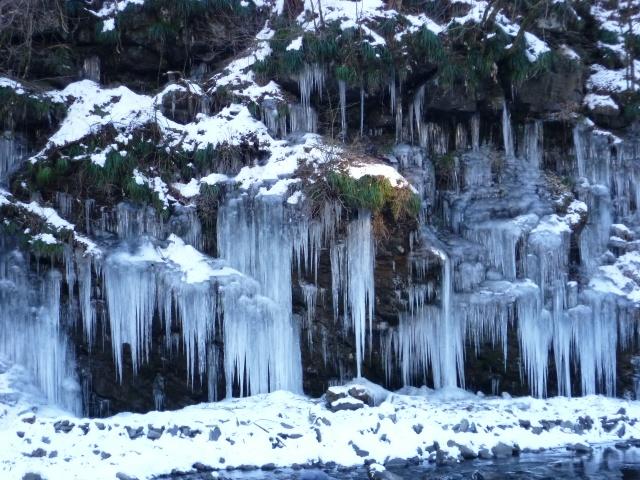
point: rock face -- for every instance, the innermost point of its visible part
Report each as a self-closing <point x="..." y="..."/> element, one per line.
<point x="217" y="207"/>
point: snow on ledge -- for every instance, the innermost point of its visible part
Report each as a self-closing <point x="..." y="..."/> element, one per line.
<point x="242" y="432"/>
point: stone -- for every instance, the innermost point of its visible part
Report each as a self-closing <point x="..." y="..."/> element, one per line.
<point x="154" y="433"/>
<point x="360" y="452"/>
<point x="37" y="453"/>
<point x="502" y="450"/>
<point x="346" y="403"/>
<point x="124" y="476"/>
<point x="418" y="428"/>
<point x="396" y="463"/>
<point x="53" y="454"/>
<point x="268" y="467"/>
<point x="104" y="455"/>
<point x="100" y="425"/>
<point x="30" y="420"/>
<point x="214" y="434"/>
<point x="622" y="445"/>
<point x="580" y="448"/>
<point x="467" y="453"/>
<point x="134" y="432"/>
<point x="201" y="467"/>
<point x="64" y="426"/>
<point x="32" y="476"/>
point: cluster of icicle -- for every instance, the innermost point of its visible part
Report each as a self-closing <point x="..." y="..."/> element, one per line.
<point x="519" y="274"/>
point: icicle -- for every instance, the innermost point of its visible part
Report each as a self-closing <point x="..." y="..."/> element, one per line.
<point x="158" y="393"/>
<point x="130" y="286"/>
<point x="262" y="348"/>
<point x="533" y="144"/>
<point x="87" y="310"/>
<point x="507" y="135"/>
<point x="342" y="90"/>
<point x="392" y="95"/>
<point x="311" y="79"/>
<point x="31" y="334"/>
<point x="360" y="283"/>
<point x="475" y="132"/>
<point x="535" y="331"/>
<point x="399" y="119"/>
<point x="418" y="106"/>
<point x="12" y="153"/>
<point x="361" y="111"/>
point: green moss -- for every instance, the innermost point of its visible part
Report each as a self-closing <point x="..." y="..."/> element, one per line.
<point x="374" y="194"/>
<point x="29" y="109"/>
<point x="607" y="36"/>
<point x="44" y="249"/>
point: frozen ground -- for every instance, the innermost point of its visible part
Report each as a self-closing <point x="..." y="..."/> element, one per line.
<point x="283" y="429"/>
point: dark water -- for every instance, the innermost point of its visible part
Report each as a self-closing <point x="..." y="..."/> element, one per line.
<point x="604" y="463"/>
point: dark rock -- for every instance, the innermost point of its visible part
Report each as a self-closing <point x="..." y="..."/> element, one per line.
<point x="526" y="424"/>
<point x="201" y="467"/>
<point x="484" y="454"/>
<point x="37" y="453"/>
<point x="84" y="427"/>
<point x="361" y="393"/>
<point x="396" y="463"/>
<point x="134" y="432"/>
<point x="100" y="425"/>
<point x="536" y="430"/>
<point x="467" y="453"/>
<point x="268" y="466"/>
<point x="214" y="434"/>
<point x="247" y="468"/>
<point x="53" y="454"/>
<point x="188" y="432"/>
<point x="318" y="434"/>
<point x="32" y="476"/>
<point x="580" y="448"/>
<point x="418" y="428"/>
<point x="46" y="440"/>
<point x="621" y="411"/>
<point x="502" y="450"/>
<point x="154" y="433"/>
<point x="346" y="404"/>
<point x="31" y="420"/>
<point x="360" y="452"/>
<point x="477" y="476"/>
<point x="20" y="434"/>
<point x="623" y="445"/>
<point x="124" y="476"/>
<point x="621" y="431"/>
<point x="104" y="455"/>
<point x="64" y="426"/>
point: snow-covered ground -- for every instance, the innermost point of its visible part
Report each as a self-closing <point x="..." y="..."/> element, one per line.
<point x="283" y="429"/>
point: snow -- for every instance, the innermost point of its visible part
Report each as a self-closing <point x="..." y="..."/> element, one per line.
<point x="594" y="101"/>
<point x="113" y="7"/>
<point x="108" y="25"/>
<point x="535" y="47"/>
<point x="239" y="76"/>
<point x="282" y="428"/>
<point x="359" y="170"/>
<point x="605" y="80"/>
<point x="621" y="279"/>
<point x="48" y="214"/>
<point x="94" y="108"/>
<point x="296" y="44"/>
<point x="45" y="238"/>
<point x="195" y="266"/>
<point x="13" y="85"/>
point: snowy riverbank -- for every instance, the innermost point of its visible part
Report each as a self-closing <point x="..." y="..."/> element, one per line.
<point x="283" y="429"/>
